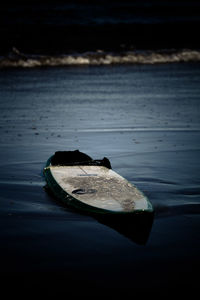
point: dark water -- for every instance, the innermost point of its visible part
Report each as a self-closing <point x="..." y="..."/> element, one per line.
<point x="146" y="120"/>
<point x="52" y="26"/>
<point x="98" y="31"/>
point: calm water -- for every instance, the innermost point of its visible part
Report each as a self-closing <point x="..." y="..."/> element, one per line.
<point x="146" y="120"/>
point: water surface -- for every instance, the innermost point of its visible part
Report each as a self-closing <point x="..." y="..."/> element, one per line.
<point x="146" y="120"/>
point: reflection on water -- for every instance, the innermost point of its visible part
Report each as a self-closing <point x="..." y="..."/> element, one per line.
<point x="136" y="226"/>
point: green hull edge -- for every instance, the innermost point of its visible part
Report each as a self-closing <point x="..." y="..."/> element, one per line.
<point x="74" y="203"/>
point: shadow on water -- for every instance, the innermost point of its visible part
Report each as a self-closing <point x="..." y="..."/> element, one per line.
<point x="135" y="226"/>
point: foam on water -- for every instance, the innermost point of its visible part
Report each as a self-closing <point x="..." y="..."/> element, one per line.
<point x="17" y="59"/>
